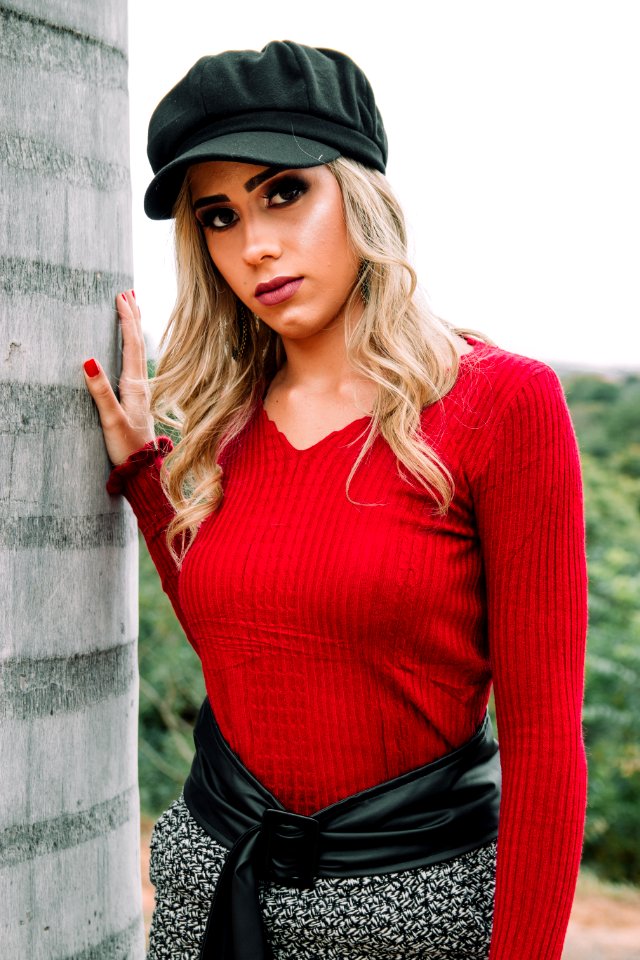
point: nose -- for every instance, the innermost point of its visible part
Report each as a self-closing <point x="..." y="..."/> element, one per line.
<point x="260" y="240"/>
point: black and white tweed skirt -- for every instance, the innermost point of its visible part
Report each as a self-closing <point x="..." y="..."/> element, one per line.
<point x="439" y="912"/>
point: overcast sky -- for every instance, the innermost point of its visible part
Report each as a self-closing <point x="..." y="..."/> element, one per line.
<point x="513" y="146"/>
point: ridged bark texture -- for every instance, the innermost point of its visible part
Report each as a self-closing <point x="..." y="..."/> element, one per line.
<point x="69" y="811"/>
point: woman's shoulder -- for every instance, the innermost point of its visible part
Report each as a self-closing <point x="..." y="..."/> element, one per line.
<point x="496" y="390"/>
<point x="499" y="366"/>
<point x="491" y="378"/>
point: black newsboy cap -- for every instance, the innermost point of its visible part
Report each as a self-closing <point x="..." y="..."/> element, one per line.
<point x="287" y="105"/>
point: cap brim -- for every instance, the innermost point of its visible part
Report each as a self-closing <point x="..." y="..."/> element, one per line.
<point x="260" y="147"/>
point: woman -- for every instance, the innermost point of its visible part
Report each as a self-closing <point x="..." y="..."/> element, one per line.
<point x="369" y="519"/>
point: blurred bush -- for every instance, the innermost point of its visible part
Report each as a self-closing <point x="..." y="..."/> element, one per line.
<point x="607" y="419"/>
<point x="171" y="691"/>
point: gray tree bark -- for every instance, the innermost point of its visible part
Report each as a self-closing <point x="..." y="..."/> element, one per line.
<point x="69" y="810"/>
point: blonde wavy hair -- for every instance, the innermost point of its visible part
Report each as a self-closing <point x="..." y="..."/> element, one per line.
<point x="207" y="391"/>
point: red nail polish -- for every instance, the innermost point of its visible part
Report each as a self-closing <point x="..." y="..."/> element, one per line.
<point x="134" y="294"/>
<point x="91" y="367"/>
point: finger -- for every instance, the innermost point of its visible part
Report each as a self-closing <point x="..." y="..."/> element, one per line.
<point x="128" y="309"/>
<point x="101" y="390"/>
<point x="134" y="357"/>
<point x="129" y="296"/>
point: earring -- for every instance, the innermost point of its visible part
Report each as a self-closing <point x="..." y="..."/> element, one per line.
<point x="237" y="352"/>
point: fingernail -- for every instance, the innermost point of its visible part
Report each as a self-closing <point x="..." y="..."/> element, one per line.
<point x="134" y="294"/>
<point x="91" y="368"/>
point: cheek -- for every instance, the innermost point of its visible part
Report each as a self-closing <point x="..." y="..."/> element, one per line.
<point x="324" y="235"/>
<point x="224" y="264"/>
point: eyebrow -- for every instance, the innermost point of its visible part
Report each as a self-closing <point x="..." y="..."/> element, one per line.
<point x="249" y="186"/>
<point x="261" y="177"/>
<point x="206" y="201"/>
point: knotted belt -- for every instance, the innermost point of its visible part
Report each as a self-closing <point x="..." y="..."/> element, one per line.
<point x="433" y="813"/>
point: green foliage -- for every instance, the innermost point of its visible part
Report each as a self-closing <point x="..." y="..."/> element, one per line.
<point x="171" y="691"/>
<point x="607" y="418"/>
<point x="605" y="413"/>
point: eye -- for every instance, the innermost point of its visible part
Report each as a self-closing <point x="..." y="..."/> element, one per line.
<point x="216" y="218"/>
<point x="286" y="191"/>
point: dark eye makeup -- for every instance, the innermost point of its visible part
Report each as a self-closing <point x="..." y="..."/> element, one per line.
<point x="287" y="189"/>
<point x="279" y="193"/>
<point x="216" y="218"/>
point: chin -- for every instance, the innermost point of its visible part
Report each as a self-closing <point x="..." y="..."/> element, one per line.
<point x="297" y="327"/>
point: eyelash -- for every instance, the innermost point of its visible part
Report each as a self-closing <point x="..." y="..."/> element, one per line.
<point x="287" y="185"/>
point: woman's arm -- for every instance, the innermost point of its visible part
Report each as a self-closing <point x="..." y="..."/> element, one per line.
<point x="137" y="455"/>
<point x="531" y="524"/>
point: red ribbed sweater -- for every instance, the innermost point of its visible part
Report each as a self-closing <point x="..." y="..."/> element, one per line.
<point x="344" y="643"/>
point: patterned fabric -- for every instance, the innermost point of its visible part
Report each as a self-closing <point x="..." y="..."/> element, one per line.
<point x="439" y="912"/>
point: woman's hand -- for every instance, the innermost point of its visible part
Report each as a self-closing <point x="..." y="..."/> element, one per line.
<point x="127" y="424"/>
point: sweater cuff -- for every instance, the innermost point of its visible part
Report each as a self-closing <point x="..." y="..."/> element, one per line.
<point x="152" y="454"/>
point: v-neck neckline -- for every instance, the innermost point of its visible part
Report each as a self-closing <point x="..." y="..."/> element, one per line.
<point x="276" y="431"/>
<point x="272" y="426"/>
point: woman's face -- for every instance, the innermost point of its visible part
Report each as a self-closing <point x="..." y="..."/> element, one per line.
<point x="279" y="239"/>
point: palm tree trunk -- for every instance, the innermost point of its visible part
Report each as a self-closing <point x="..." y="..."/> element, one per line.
<point x="69" y="811"/>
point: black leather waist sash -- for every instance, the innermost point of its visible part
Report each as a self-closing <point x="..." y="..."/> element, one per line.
<point x="427" y="815"/>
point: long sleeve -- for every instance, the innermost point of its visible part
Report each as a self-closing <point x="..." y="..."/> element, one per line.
<point x="138" y="479"/>
<point x="529" y="505"/>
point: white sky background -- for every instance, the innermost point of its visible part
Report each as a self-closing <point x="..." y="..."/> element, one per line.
<point x="514" y="147"/>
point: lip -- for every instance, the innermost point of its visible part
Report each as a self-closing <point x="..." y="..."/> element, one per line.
<point x="277" y="290"/>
